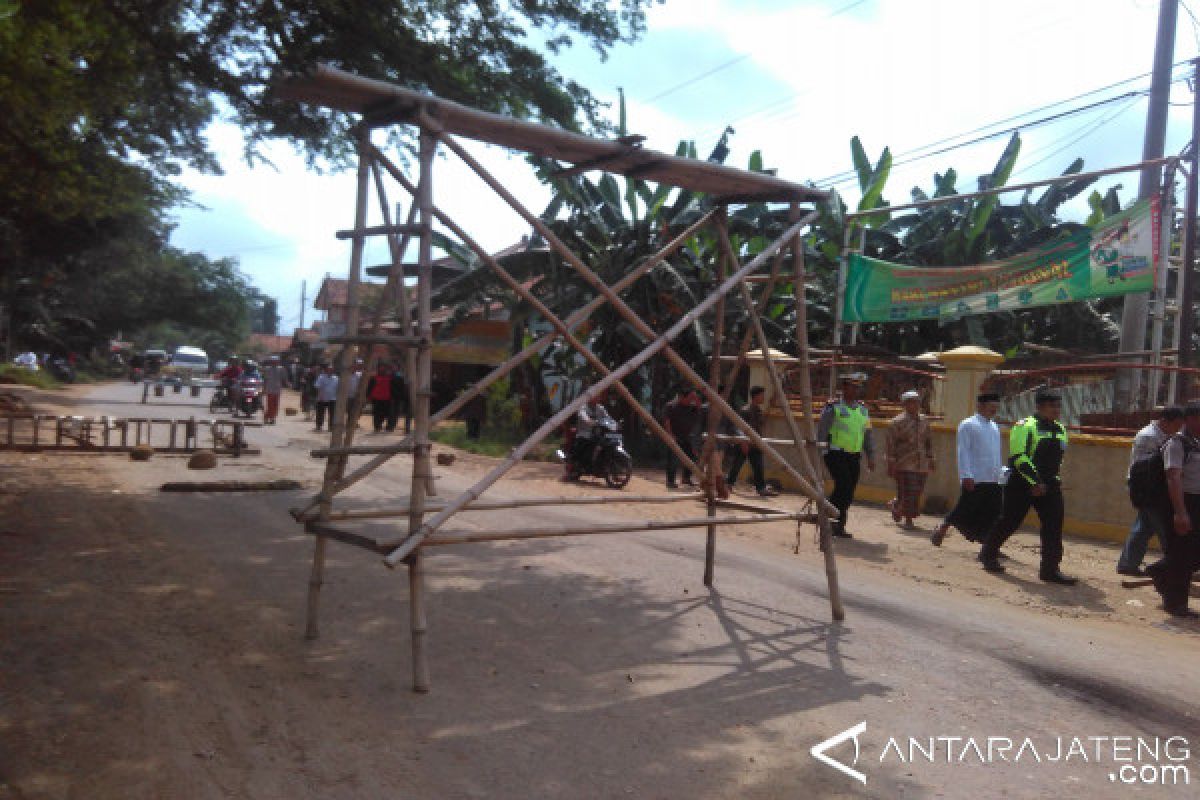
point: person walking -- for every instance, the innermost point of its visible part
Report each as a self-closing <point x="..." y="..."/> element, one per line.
<point x="909" y="454"/>
<point x="274" y="376"/>
<point x="980" y="474"/>
<point x="308" y="392"/>
<point x="681" y="418"/>
<point x="1149" y="521"/>
<point x="845" y="430"/>
<point x="1172" y="575"/>
<point x="753" y="413"/>
<point x="379" y="392"/>
<point x="326" y="386"/>
<point x="400" y="403"/>
<point x="1036" y="446"/>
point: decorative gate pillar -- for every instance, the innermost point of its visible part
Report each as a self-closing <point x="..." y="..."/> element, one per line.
<point x="966" y="370"/>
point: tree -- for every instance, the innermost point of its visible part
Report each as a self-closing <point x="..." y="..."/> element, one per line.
<point x="965" y="232"/>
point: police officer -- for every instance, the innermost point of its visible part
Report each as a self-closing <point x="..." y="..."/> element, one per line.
<point x="845" y="428"/>
<point x="1036" y="446"/>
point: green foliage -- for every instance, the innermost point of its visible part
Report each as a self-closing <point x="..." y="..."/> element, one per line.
<point x="40" y="379"/>
<point x="496" y="444"/>
<point x="503" y="407"/>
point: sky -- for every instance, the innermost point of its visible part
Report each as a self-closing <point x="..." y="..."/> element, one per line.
<point x="795" y="79"/>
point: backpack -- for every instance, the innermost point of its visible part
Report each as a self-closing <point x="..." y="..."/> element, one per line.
<point x="1148" y="477"/>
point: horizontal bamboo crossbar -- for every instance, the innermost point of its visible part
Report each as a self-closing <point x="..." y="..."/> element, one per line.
<point x="469" y="537"/>
<point x="378" y="338"/>
<point x="363" y="450"/>
<point x="494" y="505"/>
<point x="382" y="230"/>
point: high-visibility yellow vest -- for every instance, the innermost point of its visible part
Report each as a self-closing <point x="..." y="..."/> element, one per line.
<point x="849" y="428"/>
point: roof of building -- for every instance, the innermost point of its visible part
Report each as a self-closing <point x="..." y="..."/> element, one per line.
<point x="383" y="103"/>
<point x="267" y="342"/>
<point x="335" y="292"/>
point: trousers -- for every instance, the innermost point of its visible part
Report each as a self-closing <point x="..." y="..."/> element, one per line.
<point x="1017" y="501"/>
<point x="844" y="468"/>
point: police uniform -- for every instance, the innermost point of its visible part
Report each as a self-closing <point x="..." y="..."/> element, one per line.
<point x="846" y="429"/>
<point x="1036" y="448"/>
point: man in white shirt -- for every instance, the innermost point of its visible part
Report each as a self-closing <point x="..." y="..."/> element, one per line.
<point x="327" y="387"/>
<point x="981" y="472"/>
<point x="1149" y="521"/>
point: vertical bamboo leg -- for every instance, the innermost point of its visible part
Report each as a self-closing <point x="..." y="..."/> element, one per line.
<point x="335" y="466"/>
<point x="316" y="578"/>
<point x="416" y="600"/>
<point x="710" y="459"/>
<point x="798" y="285"/>
<point x="422" y="473"/>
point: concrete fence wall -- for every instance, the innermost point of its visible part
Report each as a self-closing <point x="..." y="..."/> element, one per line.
<point x="1094" y="472"/>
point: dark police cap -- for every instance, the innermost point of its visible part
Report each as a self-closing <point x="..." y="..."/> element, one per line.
<point x="988" y="397"/>
<point x="1047" y="396"/>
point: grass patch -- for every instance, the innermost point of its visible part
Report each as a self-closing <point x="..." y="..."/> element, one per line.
<point x="12" y="374"/>
<point x="494" y="443"/>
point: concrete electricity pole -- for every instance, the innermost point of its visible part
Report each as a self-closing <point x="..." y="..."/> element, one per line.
<point x="1133" y="318"/>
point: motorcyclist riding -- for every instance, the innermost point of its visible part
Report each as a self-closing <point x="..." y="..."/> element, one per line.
<point x="587" y="422"/>
<point x="229" y="380"/>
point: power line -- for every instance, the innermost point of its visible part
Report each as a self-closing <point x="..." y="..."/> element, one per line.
<point x="846" y="176"/>
<point x="1093" y="128"/>
<point x="732" y="62"/>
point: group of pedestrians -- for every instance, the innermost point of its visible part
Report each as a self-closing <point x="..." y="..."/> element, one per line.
<point x="684" y="419"/>
<point x="386" y="391"/>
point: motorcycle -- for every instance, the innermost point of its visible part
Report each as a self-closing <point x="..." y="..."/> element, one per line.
<point x="250" y="397"/>
<point x="220" y="400"/>
<point x="61" y="370"/>
<point x="607" y="457"/>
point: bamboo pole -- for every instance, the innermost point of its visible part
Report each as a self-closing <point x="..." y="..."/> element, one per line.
<point x="422" y="474"/>
<point x="345" y="364"/>
<point x="565" y="332"/>
<point x="494" y="505"/>
<point x="710" y="458"/>
<point x="798" y="287"/>
<point x="466" y="537"/>
<point x="631" y="317"/>
<point x="398" y="555"/>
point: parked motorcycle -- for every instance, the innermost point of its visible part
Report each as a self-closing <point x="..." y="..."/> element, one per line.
<point x="61" y="370"/>
<point x="250" y="396"/>
<point x="605" y="458"/>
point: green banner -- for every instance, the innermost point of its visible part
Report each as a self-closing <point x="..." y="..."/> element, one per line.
<point x="1117" y="257"/>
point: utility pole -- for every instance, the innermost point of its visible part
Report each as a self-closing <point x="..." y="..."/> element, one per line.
<point x="303" y="300"/>
<point x="1185" y="318"/>
<point x="1133" y="317"/>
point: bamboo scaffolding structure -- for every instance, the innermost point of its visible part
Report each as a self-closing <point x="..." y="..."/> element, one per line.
<point x="427" y="520"/>
<point x="632" y="318"/>
<point x="799" y="284"/>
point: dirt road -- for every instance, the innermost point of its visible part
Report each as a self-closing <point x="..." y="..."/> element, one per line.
<point x="151" y="647"/>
